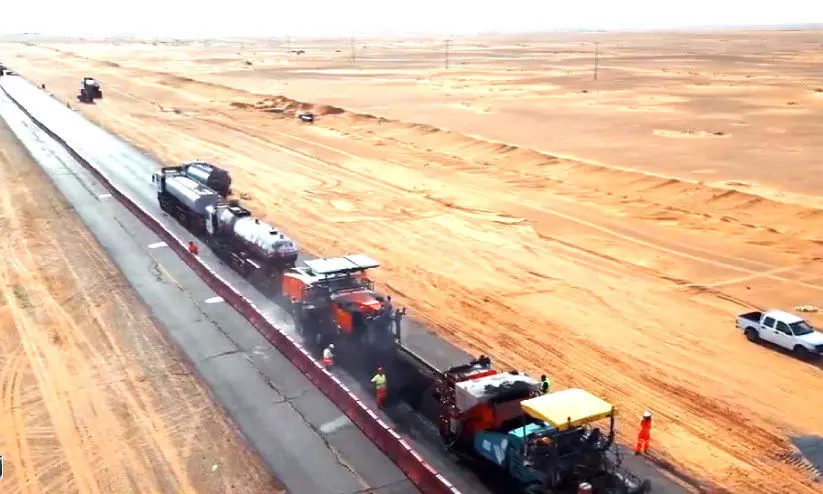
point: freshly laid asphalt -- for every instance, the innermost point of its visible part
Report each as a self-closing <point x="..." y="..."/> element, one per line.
<point x="130" y="170"/>
<point x="307" y="442"/>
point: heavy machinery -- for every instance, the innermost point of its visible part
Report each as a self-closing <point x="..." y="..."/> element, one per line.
<point x="333" y="298"/>
<point x="90" y="90"/>
<point x="542" y="443"/>
<point x="497" y="419"/>
<point x="213" y="177"/>
<point x="248" y="244"/>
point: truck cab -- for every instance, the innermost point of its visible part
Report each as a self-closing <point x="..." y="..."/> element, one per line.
<point x="783" y="329"/>
<point x="333" y="298"/>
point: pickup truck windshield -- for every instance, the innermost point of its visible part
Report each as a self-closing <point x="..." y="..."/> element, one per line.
<point x="800" y="328"/>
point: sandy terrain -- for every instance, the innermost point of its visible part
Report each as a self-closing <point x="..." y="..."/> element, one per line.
<point x="619" y="281"/>
<point x="93" y="399"/>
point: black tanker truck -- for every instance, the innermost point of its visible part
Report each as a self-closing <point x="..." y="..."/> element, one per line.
<point x="248" y="244"/>
<point x="213" y="177"/>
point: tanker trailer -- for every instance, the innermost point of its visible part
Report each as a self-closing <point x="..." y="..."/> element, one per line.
<point x="213" y="177"/>
<point x="249" y="244"/>
<point x="185" y="199"/>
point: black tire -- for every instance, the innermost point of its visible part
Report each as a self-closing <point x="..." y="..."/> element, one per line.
<point x="801" y="352"/>
<point x="534" y="489"/>
<point x="752" y="335"/>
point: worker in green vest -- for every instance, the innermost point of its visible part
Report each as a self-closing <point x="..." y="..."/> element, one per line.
<point x="379" y="381"/>
<point x="545" y="384"/>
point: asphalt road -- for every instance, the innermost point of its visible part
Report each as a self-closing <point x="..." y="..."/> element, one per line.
<point x="305" y="439"/>
<point x="130" y="170"/>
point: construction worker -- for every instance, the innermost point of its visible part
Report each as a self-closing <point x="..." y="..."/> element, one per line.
<point x="482" y="361"/>
<point x="379" y="381"/>
<point x="645" y="434"/>
<point x="328" y="356"/>
<point x="398" y="316"/>
<point x="545" y="384"/>
<point x="193" y="250"/>
<point x="388" y="306"/>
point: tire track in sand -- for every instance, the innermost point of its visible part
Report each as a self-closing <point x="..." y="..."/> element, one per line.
<point x="84" y="376"/>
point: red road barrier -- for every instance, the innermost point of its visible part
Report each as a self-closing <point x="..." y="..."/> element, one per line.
<point x="395" y="447"/>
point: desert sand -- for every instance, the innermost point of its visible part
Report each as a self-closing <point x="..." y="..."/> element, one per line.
<point x="604" y="232"/>
<point x="93" y="398"/>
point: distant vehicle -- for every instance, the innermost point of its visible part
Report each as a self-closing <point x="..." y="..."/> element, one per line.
<point x="307" y="117"/>
<point x="90" y="90"/>
<point x="213" y="177"/>
<point x="782" y="329"/>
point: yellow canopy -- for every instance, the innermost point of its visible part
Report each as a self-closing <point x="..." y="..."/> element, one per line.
<point x="568" y="408"/>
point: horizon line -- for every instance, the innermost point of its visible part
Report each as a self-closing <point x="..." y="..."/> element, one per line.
<point x="408" y="34"/>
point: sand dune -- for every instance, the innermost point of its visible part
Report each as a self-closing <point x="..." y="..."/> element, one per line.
<point x="581" y="245"/>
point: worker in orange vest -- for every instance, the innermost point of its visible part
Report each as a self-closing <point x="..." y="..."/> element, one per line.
<point x="645" y="434"/>
<point x="379" y="381"/>
<point x="328" y="356"/>
<point x="193" y="250"/>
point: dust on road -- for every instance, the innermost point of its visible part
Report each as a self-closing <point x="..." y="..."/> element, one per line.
<point x="92" y="397"/>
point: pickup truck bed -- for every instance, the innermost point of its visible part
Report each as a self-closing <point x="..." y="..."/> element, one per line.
<point x="751" y="316"/>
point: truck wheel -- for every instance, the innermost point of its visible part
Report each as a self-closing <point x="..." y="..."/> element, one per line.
<point x="801" y="352"/>
<point x="751" y="335"/>
<point x="534" y="489"/>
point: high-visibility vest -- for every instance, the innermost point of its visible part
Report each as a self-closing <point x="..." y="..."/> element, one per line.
<point x="327" y="354"/>
<point x="379" y="381"/>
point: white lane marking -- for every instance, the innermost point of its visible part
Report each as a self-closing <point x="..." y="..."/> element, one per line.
<point x="104" y="196"/>
<point x="157" y="245"/>
<point x="335" y="424"/>
<point x="214" y="300"/>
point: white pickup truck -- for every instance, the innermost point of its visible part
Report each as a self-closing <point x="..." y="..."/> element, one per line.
<point x="783" y="329"/>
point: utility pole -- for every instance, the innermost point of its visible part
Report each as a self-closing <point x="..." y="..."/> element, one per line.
<point x="353" y="56"/>
<point x="596" y="59"/>
<point x="447" y="53"/>
<point x="288" y="44"/>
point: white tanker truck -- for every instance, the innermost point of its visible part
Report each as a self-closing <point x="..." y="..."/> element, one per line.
<point x="249" y="244"/>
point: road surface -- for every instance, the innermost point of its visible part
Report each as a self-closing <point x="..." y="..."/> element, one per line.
<point x="93" y="397"/>
<point x="131" y="170"/>
<point x="302" y="437"/>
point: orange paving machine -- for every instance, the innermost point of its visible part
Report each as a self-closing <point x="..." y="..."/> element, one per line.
<point x="334" y="301"/>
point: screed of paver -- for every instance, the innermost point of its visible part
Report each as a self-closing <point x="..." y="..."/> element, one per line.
<point x="606" y="278"/>
<point x="92" y="398"/>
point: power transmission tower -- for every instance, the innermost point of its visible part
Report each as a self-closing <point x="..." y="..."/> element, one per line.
<point x="596" y="59"/>
<point x="446" y="49"/>
<point x="353" y="56"/>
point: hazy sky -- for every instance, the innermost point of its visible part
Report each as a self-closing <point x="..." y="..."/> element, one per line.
<point x="277" y="18"/>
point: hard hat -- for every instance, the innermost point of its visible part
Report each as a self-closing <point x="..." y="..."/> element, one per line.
<point x="647" y="415"/>
<point x="331" y="346"/>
